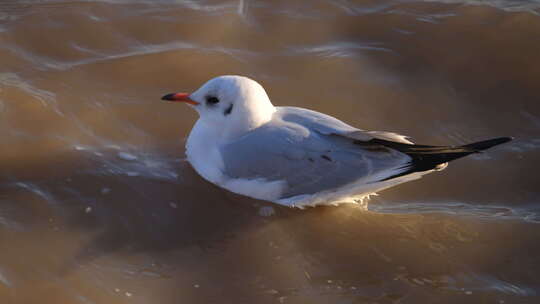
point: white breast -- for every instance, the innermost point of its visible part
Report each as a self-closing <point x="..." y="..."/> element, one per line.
<point x="203" y="154"/>
<point x="202" y="149"/>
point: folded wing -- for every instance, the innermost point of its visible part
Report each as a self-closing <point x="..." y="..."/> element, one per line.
<point x="308" y="159"/>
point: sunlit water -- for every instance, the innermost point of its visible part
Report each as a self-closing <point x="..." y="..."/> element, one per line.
<point x="98" y="204"/>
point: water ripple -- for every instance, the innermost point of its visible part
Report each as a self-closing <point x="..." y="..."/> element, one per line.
<point x="530" y="6"/>
<point x="116" y="160"/>
<point x="461" y="209"/>
<point x="480" y="282"/>
<point x="340" y="49"/>
<point x="48" y="63"/>
<point x="355" y="10"/>
<point x="13" y="80"/>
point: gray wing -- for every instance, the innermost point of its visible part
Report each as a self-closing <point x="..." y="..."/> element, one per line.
<point x="307" y="159"/>
<point x="326" y="124"/>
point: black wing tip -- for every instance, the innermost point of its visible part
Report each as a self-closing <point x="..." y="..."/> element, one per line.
<point x="428" y="160"/>
<point x="506" y="139"/>
<point x="486" y="144"/>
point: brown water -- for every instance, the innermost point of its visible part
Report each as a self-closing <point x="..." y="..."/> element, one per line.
<point x="80" y="82"/>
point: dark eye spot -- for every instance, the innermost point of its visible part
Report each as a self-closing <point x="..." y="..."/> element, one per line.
<point x="212" y="100"/>
<point x="228" y="110"/>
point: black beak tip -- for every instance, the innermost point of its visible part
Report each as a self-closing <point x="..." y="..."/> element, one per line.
<point x="168" y="97"/>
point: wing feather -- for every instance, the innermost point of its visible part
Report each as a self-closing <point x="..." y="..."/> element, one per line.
<point x="326" y="124"/>
<point x="307" y="159"/>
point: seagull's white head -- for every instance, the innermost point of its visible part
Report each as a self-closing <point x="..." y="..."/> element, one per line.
<point x="233" y="105"/>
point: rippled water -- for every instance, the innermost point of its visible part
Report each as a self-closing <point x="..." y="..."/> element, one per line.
<point x="98" y="205"/>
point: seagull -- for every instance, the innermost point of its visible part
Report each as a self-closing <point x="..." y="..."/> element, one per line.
<point x="298" y="157"/>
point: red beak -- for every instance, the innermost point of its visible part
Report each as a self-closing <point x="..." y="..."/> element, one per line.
<point x="179" y="97"/>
